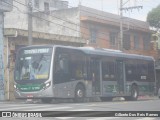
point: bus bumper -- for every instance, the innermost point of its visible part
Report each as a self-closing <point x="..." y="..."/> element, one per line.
<point x="33" y="95"/>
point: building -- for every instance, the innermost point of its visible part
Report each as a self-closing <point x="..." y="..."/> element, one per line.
<point x="102" y="29"/>
<point x="55" y="23"/>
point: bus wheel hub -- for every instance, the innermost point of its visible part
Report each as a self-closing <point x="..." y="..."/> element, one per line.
<point x="80" y="93"/>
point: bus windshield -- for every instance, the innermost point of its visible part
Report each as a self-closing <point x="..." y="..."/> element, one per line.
<point x="33" y="64"/>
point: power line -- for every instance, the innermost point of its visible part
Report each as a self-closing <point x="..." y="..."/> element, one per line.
<point x="86" y="12"/>
<point x="59" y="18"/>
<point x="65" y="26"/>
<point x="60" y="25"/>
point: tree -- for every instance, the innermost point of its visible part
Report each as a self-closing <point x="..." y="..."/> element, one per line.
<point x="153" y="17"/>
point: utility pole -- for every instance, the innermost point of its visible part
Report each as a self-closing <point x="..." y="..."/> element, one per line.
<point x="120" y="45"/>
<point x="30" y="22"/>
<point x="2" y="93"/>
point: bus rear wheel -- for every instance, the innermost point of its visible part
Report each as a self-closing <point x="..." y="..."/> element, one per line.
<point x="79" y="93"/>
<point x="134" y="93"/>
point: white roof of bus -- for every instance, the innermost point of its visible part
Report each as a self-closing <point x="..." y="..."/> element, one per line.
<point x="101" y="51"/>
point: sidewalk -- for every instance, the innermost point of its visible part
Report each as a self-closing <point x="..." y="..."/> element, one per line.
<point x="147" y="97"/>
<point x="12" y="101"/>
<point x="31" y="101"/>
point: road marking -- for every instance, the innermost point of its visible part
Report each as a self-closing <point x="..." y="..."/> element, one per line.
<point x="54" y="108"/>
<point x="108" y="103"/>
<point x="64" y="118"/>
<point x="103" y="118"/>
<point x="76" y="104"/>
<point x="146" y="118"/>
<point x="80" y="110"/>
<point x="29" y="107"/>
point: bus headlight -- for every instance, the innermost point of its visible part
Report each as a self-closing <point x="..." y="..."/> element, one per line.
<point x="15" y="86"/>
<point x="46" y="85"/>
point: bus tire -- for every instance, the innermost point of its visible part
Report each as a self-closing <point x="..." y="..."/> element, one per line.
<point x="79" y="93"/>
<point x="46" y="100"/>
<point x="134" y="94"/>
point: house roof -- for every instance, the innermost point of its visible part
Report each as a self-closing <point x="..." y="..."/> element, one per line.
<point x="90" y="14"/>
<point x="94" y="15"/>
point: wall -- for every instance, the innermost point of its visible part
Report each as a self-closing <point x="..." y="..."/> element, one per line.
<point x="63" y="22"/>
<point x="17" y="18"/>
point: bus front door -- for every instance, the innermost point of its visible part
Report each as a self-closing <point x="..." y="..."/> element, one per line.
<point x="95" y="70"/>
<point x="120" y="77"/>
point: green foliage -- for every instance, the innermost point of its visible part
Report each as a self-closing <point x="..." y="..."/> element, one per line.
<point x="153" y="17"/>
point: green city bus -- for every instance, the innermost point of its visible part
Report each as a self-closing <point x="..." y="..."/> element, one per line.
<point x="48" y="72"/>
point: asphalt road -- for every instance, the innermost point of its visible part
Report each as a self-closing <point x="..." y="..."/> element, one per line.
<point x="87" y="111"/>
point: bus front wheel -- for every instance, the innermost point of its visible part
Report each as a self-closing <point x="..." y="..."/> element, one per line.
<point x="79" y="93"/>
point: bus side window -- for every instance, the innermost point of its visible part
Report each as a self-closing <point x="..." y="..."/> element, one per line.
<point x="79" y="72"/>
<point x="131" y="71"/>
<point x="62" y="68"/>
<point x="78" y="66"/>
<point x="64" y="63"/>
<point x="108" y="70"/>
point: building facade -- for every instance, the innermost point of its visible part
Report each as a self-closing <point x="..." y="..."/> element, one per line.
<point x="104" y="31"/>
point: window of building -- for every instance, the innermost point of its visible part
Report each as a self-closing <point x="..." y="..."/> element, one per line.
<point x="146" y="42"/>
<point x="126" y="42"/>
<point x="136" y="42"/>
<point x="36" y="3"/>
<point x="113" y="37"/>
<point x="46" y="6"/>
<point x="93" y="35"/>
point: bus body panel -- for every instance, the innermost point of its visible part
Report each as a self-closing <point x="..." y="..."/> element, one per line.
<point x="40" y="94"/>
<point x="67" y="90"/>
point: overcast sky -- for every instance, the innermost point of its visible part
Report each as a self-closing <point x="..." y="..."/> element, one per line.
<point x="112" y="6"/>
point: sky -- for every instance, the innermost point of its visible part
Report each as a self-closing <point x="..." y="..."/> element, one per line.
<point x="112" y="6"/>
